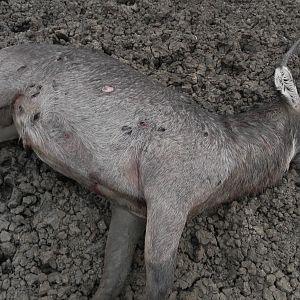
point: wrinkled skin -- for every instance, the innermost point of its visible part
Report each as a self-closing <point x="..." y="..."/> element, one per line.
<point x="154" y="152"/>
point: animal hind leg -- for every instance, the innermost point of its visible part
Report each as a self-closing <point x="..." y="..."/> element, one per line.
<point x="124" y="233"/>
<point x="163" y="232"/>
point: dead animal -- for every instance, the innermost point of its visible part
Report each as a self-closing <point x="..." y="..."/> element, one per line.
<point x="152" y="151"/>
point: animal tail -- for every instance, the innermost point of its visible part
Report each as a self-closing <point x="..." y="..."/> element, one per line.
<point x="284" y="81"/>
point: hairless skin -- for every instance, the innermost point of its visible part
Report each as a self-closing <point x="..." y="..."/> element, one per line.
<point x="152" y="151"/>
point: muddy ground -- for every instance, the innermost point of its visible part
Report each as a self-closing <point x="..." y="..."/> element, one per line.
<point x="223" y="53"/>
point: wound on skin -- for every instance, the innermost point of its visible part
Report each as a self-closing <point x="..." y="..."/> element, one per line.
<point x="107" y="89"/>
<point x="67" y="135"/>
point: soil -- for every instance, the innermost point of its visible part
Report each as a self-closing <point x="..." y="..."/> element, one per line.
<point x="222" y="53"/>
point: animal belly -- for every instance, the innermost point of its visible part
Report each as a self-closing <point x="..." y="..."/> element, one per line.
<point x="131" y="202"/>
<point x="62" y="145"/>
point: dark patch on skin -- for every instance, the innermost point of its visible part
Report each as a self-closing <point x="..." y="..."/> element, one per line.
<point x="36" y="116"/>
<point x="35" y="94"/>
<point x="54" y="85"/>
<point x="37" y="90"/>
<point x="59" y="57"/>
<point x="161" y="129"/>
<point x="219" y="183"/>
<point x="143" y="124"/>
<point x="67" y="135"/>
<point x="205" y="133"/>
<point x="127" y="129"/>
<point x="161" y="274"/>
<point x="21" y="68"/>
